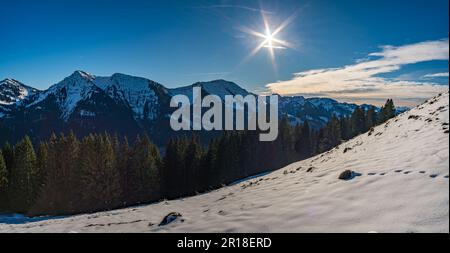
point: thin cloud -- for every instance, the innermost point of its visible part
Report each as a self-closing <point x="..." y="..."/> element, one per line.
<point x="428" y="76"/>
<point x="230" y="6"/>
<point x="362" y="79"/>
<point x="209" y="74"/>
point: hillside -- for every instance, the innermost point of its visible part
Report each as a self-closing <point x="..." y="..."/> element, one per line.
<point x="400" y="184"/>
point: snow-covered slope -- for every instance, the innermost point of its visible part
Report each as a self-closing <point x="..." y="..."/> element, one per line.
<point x="136" y="92"/>
<point x="12" y="91"/>
<point x="69" y="92"/>
<point x="402" y="185"/>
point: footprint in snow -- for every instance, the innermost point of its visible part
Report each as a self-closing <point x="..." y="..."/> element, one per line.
<point x="446" y="176"/>
<point x="422" y="172"/>
<point x="434" y="175"/>
<point x="398" y="171"/>
<point x="372" y="174"/>
<point x="407" y="172"/>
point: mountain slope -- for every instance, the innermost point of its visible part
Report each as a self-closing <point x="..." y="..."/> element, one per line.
<point x="220" y="88"/>
<point x="13" y="92"/>
<point x="86" y="104"/>
<point x="402" y="185"/>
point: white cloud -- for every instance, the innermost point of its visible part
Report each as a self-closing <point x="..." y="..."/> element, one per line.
<point x="445" y="74"/>
<point x="361" y="80"/>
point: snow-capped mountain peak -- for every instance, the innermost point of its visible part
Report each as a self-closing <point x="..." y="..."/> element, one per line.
<point x="136" y="92"/>
<point x="69" y="92"/>
<point x="220" y="88"/>
<point x="13" y="91"/>
<point x="83" y="74"/>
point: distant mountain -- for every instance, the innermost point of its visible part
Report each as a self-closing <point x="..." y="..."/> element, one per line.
<point x="317" y="111"/>
<point x="13" y="92"/>
<point x="220" y="88"/>
<point x="125" y="105"/>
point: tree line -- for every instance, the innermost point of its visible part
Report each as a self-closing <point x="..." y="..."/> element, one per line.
<point x="67" y="175"/>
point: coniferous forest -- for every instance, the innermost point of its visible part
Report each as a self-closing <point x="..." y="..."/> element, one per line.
<point x="68" y="175"/>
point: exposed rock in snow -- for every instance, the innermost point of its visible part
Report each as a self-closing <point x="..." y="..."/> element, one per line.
<point x="346" y="175"/>
<point x="12" y="91"/>
<point x="136" y="92"/>
<point x="69" y="92"/>
<point x="403" y="187"/>
<point x="171" y="217"/>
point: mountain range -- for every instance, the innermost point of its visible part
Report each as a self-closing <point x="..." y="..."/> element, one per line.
<point x="126" y="105"/>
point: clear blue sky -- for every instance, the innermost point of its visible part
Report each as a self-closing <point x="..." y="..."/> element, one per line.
<point x="180" y="42"/>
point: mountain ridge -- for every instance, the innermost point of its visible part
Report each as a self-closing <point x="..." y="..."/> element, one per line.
<point x="87" y="102"/>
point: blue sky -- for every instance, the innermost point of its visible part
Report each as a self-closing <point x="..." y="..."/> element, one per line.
<point x="180" y="42"/>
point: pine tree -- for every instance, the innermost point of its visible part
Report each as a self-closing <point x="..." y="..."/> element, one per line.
<point x="345" y="128"/>
<point x="192" y="164"/>
<point x="123" y="156"/>
<point x="334" y="129"/>
<point x="100" y="181"/>
<point x="69" y="148"/>
<point x="387" y="111"/>
<point x="371" y="118"/>
<point x="145" y="164"/>
<point x="41" y="169"/>
<point x="207" y="176"/>
<point x="303" y="145"/>
<point x="298" y="140"/>
<point x="285" y="136"/>
<point x="8" y="155"/>
<point x="3" y="183"/>
<point x="358" y="124"/>
<point x="22" y="185"/>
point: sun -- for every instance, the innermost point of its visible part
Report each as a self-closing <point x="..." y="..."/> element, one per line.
<point x="269" y="38"/>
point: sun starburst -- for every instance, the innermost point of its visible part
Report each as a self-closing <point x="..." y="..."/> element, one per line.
<point x="269" y="38"/>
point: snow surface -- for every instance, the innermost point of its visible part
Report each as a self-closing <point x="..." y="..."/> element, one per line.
<point x="403" y="186"/>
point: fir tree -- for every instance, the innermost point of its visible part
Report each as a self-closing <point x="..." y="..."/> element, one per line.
<point x="192" y="164"/>
<point x="3" y="183"/>
<point x="371" y="118"/>
<point x="358" y="123"/>
<point x="387" y="111"/>
<point x="207" y="177"/>
<point x="8" y="155"/>
<point x="145" y="164"/>
<point x="22" y="192"/>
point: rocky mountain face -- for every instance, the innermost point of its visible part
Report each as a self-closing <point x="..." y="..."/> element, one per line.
<point x="125" y="105"/>
<point x="12" y="92"/>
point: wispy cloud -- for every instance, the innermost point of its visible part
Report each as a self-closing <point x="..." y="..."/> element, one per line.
<point x="362" y="80"/>
<point x="445" y="74"/>
<point x="209" y="74"/>
<point x="232" y="6"/>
